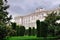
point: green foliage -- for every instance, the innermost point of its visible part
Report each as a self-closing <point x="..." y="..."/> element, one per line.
<point x="57" y="29"/>
<point x="38" y="28"/>
<point x="26" y="32"/>
<point x="51" y="21"/>
<point x="4" y="19"/>
<point x="2" y="32"/>
<point x="33" y="31"/>
<point x="12" y="33"/>
<point x="8" y="30"/>
<point x="52" y="18"/>
<point x="18" y="30"/>
<point x="22" y="30"/>
<point x="1" y="2"/>
<point x="29" y="31"/>
<point x="13" y="26"/>
<point x="43" y="29"/>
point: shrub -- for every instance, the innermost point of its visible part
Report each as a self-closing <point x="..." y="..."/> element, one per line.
<point x="29" y="31"/>
<point x="13" y="26"/>
<point x="38" y="28"/>
<point x="22" y="30"/>
<point x="33" y="31"/>
<point x="3" y="32"/>
<point x="44" y="29"/>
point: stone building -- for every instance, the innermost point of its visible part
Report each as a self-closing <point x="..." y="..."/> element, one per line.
<point x="30" y="20"/>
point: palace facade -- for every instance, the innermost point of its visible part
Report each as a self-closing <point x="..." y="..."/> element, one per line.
<point x="30" y="20"/>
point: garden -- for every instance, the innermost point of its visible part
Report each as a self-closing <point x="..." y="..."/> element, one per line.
<point x="48" y="29"/>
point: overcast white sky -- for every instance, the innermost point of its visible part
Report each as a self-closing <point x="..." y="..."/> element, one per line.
<point x="23" y="7"/>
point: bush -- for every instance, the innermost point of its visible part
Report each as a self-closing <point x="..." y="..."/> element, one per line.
<point x="3" y="32"/>
<point x="44" y="29"/>
<point x="22" y="30"/>
<point x="12" y="33"/>
<point x="13" y="26"/>
<point x="26" y="32"/>
<point x="33" y="31"/>
<point x="38" y="28"/>
<point x="29" y="31"/>
<point x="18" y="30"/>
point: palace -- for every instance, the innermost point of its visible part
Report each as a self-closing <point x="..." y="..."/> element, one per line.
<point x="30" y="20"/>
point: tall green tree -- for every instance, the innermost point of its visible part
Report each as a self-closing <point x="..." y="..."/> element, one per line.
<point x="13" y="26"/>
<point x="33" y="31"/>
<point x="22" y="31"/>
<point x="44" y="29"/>
<point x="4" y="19"/>
<point x="29" y="31"/>
<point x="51" y="21"/>
<point x="18" y="30"/>
<point x="38" y="28"/>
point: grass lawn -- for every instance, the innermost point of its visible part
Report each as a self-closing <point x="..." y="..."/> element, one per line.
<point x="29" y="38"/>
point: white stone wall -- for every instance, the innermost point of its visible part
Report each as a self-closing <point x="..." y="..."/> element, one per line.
<point x="30" y="20"/>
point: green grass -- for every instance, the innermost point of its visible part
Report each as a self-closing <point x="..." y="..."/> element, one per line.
<point x="29" y="38"/>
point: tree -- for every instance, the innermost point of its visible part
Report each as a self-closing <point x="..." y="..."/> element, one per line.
<point x="51" y="21"/>
<point x="29" y="31"/>
<point x="13" y="26"/>
<point x="2" y="32"/>
<point x="4" y="19"/>
<point x="26" y="32"/>
<point x="57" y="29"/>
<point x="22" y="30"/>
<point x="38" y="28"/>
<point x="44" y="29"/>
<point x="12" y="33"/>
<point x="18" y="30"/>
<point x="33" y="31"/>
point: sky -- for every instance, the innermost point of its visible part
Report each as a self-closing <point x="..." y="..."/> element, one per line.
<point x="24" y="7"/>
